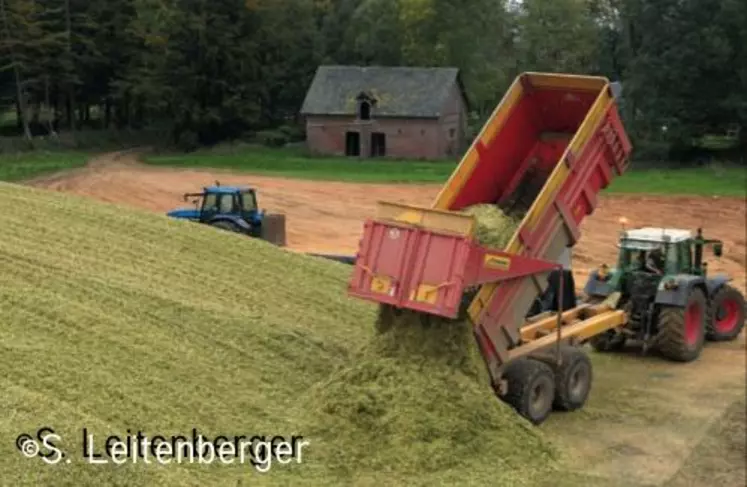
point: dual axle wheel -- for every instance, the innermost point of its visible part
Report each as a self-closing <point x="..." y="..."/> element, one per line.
<point x="534" y="388"/>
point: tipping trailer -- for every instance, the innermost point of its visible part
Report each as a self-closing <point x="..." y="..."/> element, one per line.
<point x="550" y="146"/>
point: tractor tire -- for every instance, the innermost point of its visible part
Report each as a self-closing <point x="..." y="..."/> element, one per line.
<point x="226" y="225"/>
<point x="608" y="342"/>
<point x="572" y="379"/>
<point x="531" y="389"/>
<point x="682" y="329"/>
<point x="725" y="315"/>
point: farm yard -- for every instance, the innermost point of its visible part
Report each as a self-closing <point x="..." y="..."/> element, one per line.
<point x="327" y="216"/>
<point x="284" y="346"/>
<point x="138" y="274"/>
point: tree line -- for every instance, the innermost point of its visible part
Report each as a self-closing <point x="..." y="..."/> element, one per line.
<point x="214" y="70"/>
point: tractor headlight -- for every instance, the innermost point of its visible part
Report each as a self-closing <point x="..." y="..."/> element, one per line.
<point x="670" y="285"/>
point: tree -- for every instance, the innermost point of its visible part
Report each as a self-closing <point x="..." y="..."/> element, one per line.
<point x="557" y="36"/>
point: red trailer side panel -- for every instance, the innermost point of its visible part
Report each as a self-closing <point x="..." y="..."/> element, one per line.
<point x="411" y="267"/>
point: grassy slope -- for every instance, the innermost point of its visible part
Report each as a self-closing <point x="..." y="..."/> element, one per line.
<point x="717" y="180"/>
<point x="116" y="319"/>
<point x="26" y="165"/>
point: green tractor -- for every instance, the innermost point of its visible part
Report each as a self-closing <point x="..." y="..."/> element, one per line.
<point x="672" y="304"/>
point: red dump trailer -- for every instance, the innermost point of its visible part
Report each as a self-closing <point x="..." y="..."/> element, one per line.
<point x="547" y="150"/>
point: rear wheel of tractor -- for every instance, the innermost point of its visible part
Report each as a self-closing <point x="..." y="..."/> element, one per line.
<point x="531" y="389"/>
<point x="572" y="379"/>
<point x="682" y="329"/>
<point x="225" y="225"/>
<point x="725" y="315"/>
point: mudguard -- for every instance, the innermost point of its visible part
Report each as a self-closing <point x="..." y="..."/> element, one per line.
<point x="595" y="287"/>
<point x="236" y="220"/>
<point x="716" y="282"/>
<point x="678" y="297"/>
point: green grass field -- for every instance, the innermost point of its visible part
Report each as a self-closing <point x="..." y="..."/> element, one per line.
<point x="294" y="164"/>
<point x="716" y="180"/>
<point x="26" y="165"/>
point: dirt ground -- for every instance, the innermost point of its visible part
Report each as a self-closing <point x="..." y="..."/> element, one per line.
<point x="682" y="409"/>
<point x="328" y="216"/>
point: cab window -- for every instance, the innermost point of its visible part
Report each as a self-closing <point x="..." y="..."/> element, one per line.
<point x="672" y="260"/>
<point x="211" y="202"/>
<point x="632" y="259"/>
<point x="686" y="258"/>
<point x="227" y="203"/>
<point x="249" y="201"/>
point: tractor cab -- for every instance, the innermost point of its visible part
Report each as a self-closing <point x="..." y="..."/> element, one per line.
<point x="672" y="251"/>
<point x="218" y="201"/>
<point x="652" y="257"/>
<point x="233" y="208"/>
<point x="222" y="203"/>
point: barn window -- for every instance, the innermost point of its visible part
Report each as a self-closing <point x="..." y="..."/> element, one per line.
<point x="451" y="133"/>
<point x="366" y="102"/>
<point x="364" y="110"/>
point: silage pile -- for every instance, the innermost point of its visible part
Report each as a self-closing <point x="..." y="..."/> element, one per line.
<point x="417" y="404"/>
<point x="494" y="227"/>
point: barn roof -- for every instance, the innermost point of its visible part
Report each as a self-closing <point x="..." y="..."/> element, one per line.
<point x="413" y="92"/>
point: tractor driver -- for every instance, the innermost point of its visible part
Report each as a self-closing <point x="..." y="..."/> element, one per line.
<point x="655" y="261"/>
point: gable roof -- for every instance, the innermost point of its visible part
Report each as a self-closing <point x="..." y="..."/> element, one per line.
<point x="399" y="91"/>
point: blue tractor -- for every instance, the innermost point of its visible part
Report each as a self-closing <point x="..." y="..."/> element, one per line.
<point x="233" y="208"/>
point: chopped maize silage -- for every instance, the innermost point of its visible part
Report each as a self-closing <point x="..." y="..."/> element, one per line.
<point x="494" y="227"/>
<point x="418" y="400"/>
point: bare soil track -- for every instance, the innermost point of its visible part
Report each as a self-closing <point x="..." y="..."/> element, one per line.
<point x="328" y="216"/>
<point x="679" y="405"/>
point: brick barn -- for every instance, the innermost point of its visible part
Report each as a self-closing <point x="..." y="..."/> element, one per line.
<point x="401" y="112"/>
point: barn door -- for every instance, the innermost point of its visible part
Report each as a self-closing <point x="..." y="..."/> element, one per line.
<point x="352" y="144"/>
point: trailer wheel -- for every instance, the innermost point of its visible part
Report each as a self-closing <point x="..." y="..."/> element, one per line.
<point x="531" y="389"/>
<point x="725" y="315"/>
<point x="682" y="329"/>
<point x="572" y="379"/>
